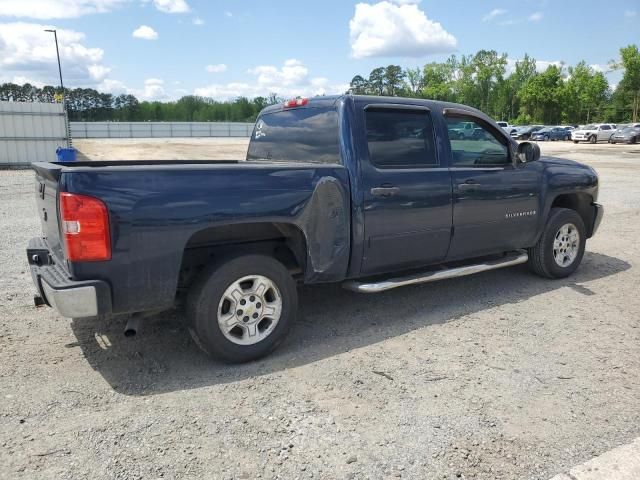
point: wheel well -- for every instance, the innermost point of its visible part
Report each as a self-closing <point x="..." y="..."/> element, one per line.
<point x="581" y="203"/>
<point x="285" y="242"/>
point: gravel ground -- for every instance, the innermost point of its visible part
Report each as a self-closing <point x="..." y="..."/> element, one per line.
<point x="501" y="375"/>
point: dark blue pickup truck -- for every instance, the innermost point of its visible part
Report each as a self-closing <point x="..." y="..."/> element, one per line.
<point x="373" y="192"/>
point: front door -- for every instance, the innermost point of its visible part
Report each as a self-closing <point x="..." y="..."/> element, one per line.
<point x="407" y="192"/>
<point x="495" y="200"/>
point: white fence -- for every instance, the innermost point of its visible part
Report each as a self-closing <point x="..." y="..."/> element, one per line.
<point x="30" y="132"/>
<point x="159" y="129"/>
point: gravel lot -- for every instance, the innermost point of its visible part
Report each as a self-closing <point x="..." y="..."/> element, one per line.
<point x="502" y="375"/>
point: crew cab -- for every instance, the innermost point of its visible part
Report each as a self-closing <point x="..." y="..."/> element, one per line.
<point x="371" y="192"/>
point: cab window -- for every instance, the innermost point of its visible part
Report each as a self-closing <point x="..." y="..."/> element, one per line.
<point x="400" y="138"/>
<point x="480" y="148"/>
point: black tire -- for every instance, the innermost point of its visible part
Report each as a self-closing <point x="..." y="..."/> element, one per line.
<point x="541" y="258"/>
<point x="593" y="139"/>
<point x="576" y="141"/>
<point x="207" y="292"/>
<point x="546" y="138"/>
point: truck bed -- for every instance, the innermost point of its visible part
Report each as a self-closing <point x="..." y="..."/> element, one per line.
<point x="158" y="209"/>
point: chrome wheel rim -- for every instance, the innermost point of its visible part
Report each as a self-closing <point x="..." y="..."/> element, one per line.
<point x="566" y="245"/>
<point x="249" y="310"/>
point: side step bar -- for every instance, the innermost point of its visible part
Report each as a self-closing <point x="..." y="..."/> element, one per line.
<point x="511" y="258"/>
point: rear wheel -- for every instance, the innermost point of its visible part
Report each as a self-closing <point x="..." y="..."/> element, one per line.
<point x="560" y="248"/>
<point x="241" y="309"/>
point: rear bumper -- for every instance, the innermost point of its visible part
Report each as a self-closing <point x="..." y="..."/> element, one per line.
<point x="597" y="218"/>
<point x="71" y="298"/>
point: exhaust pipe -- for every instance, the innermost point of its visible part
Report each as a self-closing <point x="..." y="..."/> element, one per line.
<point x="131" y="328"/>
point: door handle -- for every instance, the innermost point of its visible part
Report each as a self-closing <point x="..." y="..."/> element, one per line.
<point x="384" y="191"/>
<point x="468" y="185"/>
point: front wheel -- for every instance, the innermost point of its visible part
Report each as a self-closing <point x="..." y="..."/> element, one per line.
<point x="593" y="139"/>
<point x="241" y="309"/>
<point x="560" y="248"/>
<point x="575" y="141"/>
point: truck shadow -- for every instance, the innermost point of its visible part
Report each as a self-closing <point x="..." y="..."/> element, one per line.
<point x="162" y="357"/>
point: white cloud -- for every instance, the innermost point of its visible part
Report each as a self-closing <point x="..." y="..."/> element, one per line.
<point x="26" y="50"/>
<point x="217" y="68"/>
<point x="98" y="72"/>
<point x="496" y="12"/>
<point x="115" y="87"/>
<point x="290" y="80"/>
<point x="535" y="17"/>
<point x="45" y="9"/>
<point x="392" y="29"/>
<point x="228" y="14"/>
<point x="153" y="90"/>
<point x="145" y="32"/>
<point x="292" y="73"/>
<point x="630" y="13"/>
<point x="171" y="6"/>
<point x="198" y="21"/>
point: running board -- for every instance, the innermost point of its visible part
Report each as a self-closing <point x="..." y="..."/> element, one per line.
<point x="511" y="258"/>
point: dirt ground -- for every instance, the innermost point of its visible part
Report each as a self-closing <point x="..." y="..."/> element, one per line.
<point x="162" y="149"/>
<point x="502" y="375"/>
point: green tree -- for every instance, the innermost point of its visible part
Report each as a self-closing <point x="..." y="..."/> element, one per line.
<point x="542" y="96"/>
<point x="393" y="79"/>
<point x="630" y="84"/>
<point x="376" y="81"/>
<point x="359" y="85"/>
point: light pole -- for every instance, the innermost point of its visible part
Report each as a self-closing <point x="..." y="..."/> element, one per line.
<point x="64" y="98"/>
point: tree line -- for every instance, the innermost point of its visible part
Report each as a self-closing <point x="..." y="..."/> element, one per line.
<point x="559" y="94"/>
<point x="89" y="105"/>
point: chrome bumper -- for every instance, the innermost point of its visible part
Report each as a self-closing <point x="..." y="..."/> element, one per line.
<point x="72" y="302"/>
<point x="71" y="298"/>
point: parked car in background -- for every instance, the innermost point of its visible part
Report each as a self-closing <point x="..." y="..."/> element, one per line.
<point x="626" y="135"/>
<point x="593" y="133"/>
<point x="569" y="129"/>
<point x="461" y="130"/>
<point x="550" y="133"/>
<point x="525" y="132"/>
<point x="506" y="127"/>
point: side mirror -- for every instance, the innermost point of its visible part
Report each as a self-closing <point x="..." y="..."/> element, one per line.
<point x="528" y="152"/>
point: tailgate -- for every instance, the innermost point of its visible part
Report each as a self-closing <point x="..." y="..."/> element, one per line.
<point x="46" y="189"/>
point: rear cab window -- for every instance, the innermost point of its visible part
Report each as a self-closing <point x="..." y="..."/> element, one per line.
<point x="400" y="138"/>
<point x="307" y="135"/>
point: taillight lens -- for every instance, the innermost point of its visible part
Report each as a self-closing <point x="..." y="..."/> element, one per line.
<point x="296" y="102"/>
<point x="85" y="228"/>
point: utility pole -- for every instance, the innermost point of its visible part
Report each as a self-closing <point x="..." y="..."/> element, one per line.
<point x="64" y="98"/>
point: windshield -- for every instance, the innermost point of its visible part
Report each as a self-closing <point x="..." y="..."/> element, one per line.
<point x="308" y="135"/>
<point x="590" y="127"/>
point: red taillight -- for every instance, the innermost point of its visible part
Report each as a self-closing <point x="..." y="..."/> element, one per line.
<point x="85" y="228"/>
<point x="296" y="102"/>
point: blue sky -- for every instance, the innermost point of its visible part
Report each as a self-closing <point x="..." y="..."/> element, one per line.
<point x="163" y="49"/>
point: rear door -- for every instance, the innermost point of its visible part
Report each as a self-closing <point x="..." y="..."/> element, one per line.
<point x="407" y="191"/>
